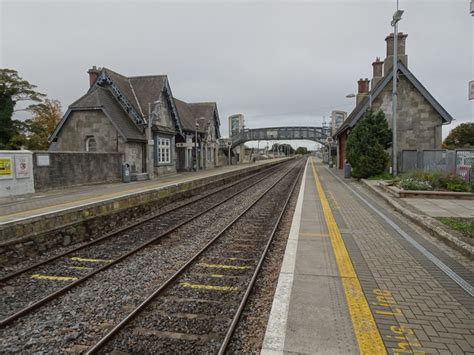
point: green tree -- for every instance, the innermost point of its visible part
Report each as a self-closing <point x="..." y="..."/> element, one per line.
<point x="301" y="150"/>
<point x="460" y="137"/>
<point x="366" y="145"/>
<point x="46" y="117"/>
<point x="12" y="90"/>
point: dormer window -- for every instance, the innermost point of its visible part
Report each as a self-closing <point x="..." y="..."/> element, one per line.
<point x="91" y="145"/>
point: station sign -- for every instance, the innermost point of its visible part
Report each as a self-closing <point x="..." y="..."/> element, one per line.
<point x="186" y="145"/>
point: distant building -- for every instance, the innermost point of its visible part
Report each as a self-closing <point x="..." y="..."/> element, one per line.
<point x="337" y="118"/>
<point x="236" y="124"/>
<point x="419" y="115"/>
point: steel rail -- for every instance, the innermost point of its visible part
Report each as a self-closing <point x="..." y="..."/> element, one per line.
<point x="126" y="228"/>
<point x="30" y="308"/>
<point x="243" y="303"/>
<point x="105" y="339"/>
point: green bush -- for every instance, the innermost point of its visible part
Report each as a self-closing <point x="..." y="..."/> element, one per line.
<point x="366" y="145"/>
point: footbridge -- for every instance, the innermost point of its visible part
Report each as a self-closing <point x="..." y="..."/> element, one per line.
<point x="317" y="134"/>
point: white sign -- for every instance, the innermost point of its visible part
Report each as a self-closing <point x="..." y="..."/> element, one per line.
<point x="186" y="145"/>
<point x="471" y="90"/>
<point x="22" y="166"/>
<point x="42" y="159"/>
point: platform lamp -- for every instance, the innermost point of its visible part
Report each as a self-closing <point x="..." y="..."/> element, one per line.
<point x="150" y="140"/>
<point x="196" y="122"/>
<point x="397" y="16"/>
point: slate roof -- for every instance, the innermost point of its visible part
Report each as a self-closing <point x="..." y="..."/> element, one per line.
<point x="103" y="99"/>
<point x="185" y="115"/>
<point x="208" y="110"/>
<point x="363" y="106"/>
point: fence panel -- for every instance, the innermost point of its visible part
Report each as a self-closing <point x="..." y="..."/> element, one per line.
<point x="409" y="160"/>
<point x="434" y="160"/>
<point x="465" y="163"/>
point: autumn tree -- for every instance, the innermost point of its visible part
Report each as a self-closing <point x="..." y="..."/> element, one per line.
<point x="46" y="117"/>
<point x="460" y="137"/>
<point x="12" y="90"/>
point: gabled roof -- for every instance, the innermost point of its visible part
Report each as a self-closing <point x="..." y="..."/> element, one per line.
<point x="190" y="112"/>
<point x="363" y="106"/>
<point x="208" y="110"/>
<point x="102" y="99"/>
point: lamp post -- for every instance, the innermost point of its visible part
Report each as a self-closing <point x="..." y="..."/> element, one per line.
<point x="397" y="16"/>
<point x="229" y="145"/>
<point x="195" y="140"/>
<point x="350" y="96"/>
<point x="150" y="141"/>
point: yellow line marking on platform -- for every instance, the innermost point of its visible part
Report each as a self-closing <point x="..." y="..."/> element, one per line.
<point x="54" y="278"/>
<point x="80" y="267"/>
<point x="90" y="260"/>
<point x="311" y="234"/>
<point x="365" y="328"/>
<point x="222" y="266"/>
<point x="209" y="287"/>
<point x="217" y="275"/>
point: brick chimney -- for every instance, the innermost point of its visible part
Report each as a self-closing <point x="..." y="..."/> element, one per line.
<point x="93" y="75"/>
<point x="363" y="90"/>
<point x="378" y="72"/>
<point x="401" y="51"/>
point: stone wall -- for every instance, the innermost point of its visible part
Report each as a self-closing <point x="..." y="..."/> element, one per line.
<point x="76" y="168"/>
<point x="418" y="124"/>
<point x="82" y="124"/>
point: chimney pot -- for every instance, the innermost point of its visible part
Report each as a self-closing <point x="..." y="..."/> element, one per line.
<point x="93" y="75"/>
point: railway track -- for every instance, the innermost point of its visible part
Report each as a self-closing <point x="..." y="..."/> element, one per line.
<point x="198" y="308"/>
<point x="32" y="286"/>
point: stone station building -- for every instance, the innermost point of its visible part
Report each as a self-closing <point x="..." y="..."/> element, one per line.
<point x="116" y="113"/>
<point x="419" y="116"/>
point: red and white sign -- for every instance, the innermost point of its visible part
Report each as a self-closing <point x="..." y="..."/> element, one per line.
<point x="22" y="166"/>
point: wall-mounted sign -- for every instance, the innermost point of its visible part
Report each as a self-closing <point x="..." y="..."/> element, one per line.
<point x="22" y="166"/>
<point x="471" y="90"/>
<point x="42" y="159"/>
<point x="185" y="145"/>
<point x="5" y="167"/>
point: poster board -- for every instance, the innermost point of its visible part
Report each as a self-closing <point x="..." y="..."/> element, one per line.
<point x="6" y="166"/>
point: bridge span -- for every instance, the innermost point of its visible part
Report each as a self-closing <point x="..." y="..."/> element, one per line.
<point x="317" y="134"/>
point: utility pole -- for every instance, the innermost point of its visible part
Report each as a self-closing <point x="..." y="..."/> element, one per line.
<point x="397" y="16"/>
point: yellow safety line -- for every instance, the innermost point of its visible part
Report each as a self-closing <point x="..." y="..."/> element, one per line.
<point x="209" y="287"/>
<point x="365" y="328"/>
<point x="222" y="266"/>
<point x="217" y="275"/>
<point x="90" y="260"/>
<point x="54" y="278"/>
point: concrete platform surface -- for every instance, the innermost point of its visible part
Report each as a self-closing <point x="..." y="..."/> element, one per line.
<point x="358" y="279"/>
<point x="22" y="207"/>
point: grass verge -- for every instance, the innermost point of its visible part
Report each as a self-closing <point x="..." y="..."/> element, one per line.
<point x="462" y="225"/>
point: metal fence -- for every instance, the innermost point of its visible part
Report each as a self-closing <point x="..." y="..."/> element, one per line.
<point x="460" y="161"/>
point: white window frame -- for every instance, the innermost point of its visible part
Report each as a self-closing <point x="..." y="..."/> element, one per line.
<point x="164" y="150"/>
<point x="88" y="142"/>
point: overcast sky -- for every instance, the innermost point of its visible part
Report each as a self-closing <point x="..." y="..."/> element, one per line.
<point x="278" y="63"/>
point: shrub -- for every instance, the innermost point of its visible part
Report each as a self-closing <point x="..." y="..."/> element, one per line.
<point x="408" y="183"/>
<point x="366" y="145"/>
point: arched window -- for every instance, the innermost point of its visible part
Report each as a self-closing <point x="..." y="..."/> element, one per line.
<point x="91" y="145"/>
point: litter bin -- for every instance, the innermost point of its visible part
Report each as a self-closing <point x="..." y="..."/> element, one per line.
<point x="347" y="170"/>
<point x="125" y="172"/>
